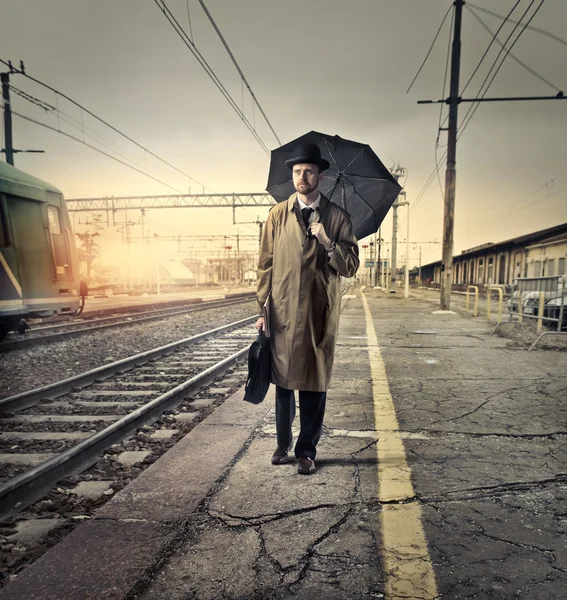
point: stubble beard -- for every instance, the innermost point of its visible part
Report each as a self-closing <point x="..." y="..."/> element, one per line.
<point x="306" y="189"/>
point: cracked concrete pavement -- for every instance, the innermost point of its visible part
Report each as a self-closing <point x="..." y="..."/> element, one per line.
<point x="484" y="427"/>
<point x="468" y="479"/>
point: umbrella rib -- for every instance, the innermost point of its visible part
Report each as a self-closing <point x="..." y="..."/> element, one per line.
<point x="350" y="163"/>
<point x="331" y="154"/>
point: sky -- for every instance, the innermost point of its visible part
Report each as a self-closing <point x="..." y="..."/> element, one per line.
<point x="326" y="65"/>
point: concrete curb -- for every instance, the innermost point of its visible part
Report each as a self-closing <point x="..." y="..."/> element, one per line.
<point x="107" y="556"/>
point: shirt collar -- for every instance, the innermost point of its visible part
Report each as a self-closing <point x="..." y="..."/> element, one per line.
<point x="313" y="205"/>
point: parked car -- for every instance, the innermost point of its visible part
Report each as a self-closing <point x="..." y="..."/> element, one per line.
<point x="552" y="310"/>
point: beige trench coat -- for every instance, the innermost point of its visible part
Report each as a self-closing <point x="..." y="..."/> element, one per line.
<point x="305" y="291"/>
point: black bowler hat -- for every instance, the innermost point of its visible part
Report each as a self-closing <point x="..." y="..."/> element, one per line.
<point x="307" y="153"/>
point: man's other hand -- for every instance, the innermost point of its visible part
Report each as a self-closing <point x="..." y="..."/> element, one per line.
<point x="319" y="232"/>
<point x="259" y="323"/>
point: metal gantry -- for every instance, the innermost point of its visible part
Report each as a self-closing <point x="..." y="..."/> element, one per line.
<point x="115" y="203"/>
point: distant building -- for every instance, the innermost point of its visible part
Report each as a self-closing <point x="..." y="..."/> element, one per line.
<point x="538" y="254"/>
<point x="250" y="276"/>
<point x="175" y="273"/>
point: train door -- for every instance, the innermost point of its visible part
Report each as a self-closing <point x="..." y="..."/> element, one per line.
<point x="59" y="240"/>
<point x="28" y="227"/>
<point x="10" y="285"/>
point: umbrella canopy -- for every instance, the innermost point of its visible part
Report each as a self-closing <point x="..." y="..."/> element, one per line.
<point x="356" y="179"/>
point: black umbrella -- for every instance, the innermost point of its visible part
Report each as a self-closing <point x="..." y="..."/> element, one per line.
<point x="356" y="179"/>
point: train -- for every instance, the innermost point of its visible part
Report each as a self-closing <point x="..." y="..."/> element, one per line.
<point x="39" y="260"/>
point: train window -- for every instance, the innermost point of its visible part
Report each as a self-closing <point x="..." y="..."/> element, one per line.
<point x="54" y="219"/>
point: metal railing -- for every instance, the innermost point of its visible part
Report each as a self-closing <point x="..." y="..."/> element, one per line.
<point x="489" y="290"/>
<point x="542" y="299"/>
<point x="475" y="309"/>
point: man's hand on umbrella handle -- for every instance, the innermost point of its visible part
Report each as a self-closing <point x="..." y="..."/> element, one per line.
<point x="259" y="323"/>
<point x="319" y="232"/>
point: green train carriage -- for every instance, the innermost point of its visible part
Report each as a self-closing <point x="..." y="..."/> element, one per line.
<point x="39" y="268"/>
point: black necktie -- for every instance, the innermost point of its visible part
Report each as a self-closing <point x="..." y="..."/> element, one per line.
<point x="306" y="214"/>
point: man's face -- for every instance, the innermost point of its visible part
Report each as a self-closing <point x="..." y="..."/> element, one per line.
<point x="306" y="178"/>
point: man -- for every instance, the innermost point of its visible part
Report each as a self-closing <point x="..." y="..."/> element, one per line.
<point x="307" y="244"/>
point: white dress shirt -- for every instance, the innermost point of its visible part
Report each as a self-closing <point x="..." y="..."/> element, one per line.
<point x="313" y="206"/>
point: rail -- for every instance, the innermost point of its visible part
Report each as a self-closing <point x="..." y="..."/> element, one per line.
<point x="29" y="486"/>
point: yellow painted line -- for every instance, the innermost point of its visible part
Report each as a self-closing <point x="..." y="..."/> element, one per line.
<point x="407" y="564"/>
<point x="11" y="275"/>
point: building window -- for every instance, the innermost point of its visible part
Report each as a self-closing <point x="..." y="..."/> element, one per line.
<point x="561" y="269"/>
<point x="550" y="268"/>
<point x="537" y="268"/>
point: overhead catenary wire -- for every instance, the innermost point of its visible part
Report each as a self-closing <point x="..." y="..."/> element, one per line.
<point x="44" y="105"/>
<point x="90" y="133"/>
<point x="494" y="38"/>
<point x="79" y="125"/>
<point x="531" y="27"/>
<point x="94" y="148"/>
<point x="238" y="69"/>
<point x="474" y="107"/>
<point x="511" y="213"/>
<point x="472" y="110"/>
<point x="429" y="51"/>
<point x="512" y="56"/>
<point x="86" y="110"/>
<point x="547" y="184"/>
<point x="210" y="72"/>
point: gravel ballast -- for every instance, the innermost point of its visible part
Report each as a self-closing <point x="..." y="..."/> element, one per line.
<point x="30" y="368"/>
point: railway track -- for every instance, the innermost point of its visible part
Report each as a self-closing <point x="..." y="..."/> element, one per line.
<point x="68" y="424"/>
<point x="77" y="327"/>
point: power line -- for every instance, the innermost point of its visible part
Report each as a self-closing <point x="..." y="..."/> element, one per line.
<point x="529" y="205"/>
<point x="94" y="148"/>
<point x="471" y="111"/>
<point x="46" y="107"/>
<point x="189" y="19"/>
<point x="74" y="123"/>
<point x="474" y="107"/>
<point x="542" y="31"/>
<point x="58" y="93"/>
<point x="429" y="51"/>
<point x="238" y="68"/>
<point x="547" y="184"/>
<point x="523" y="64"/>
<point x="494" y="35"/>
<point x="201" y="60"/>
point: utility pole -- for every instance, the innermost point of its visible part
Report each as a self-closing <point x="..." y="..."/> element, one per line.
<point x="451" y="172"/>
<point x="238" y="274"/>
<point x="8" y="148"/>
<point x="450" y="175"/>
<point x="406" y="278"/>
<point x="397" y="173"/>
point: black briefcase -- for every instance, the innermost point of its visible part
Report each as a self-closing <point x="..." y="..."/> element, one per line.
<point x="259" y="369"/>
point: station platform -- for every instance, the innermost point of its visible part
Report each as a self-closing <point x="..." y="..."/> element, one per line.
<point x="99" y="304"/>
<point x="441" y="474"/>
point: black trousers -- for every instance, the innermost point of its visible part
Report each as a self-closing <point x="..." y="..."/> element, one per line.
<point x="311" y="414"/>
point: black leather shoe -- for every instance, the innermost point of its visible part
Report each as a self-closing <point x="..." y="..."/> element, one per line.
<point x="280" y="456"/>
<point x="306" y="466"/>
